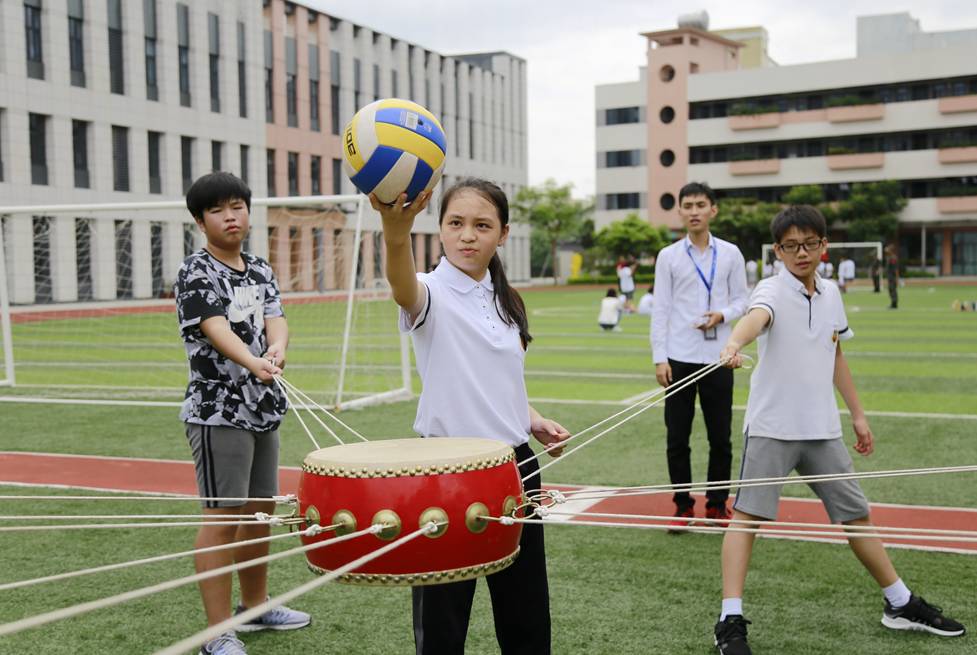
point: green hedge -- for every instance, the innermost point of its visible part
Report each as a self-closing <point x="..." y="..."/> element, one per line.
<point x="639" y="279"/>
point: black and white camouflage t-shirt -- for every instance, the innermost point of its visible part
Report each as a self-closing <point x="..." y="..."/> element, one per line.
<point x="221" y="392"/>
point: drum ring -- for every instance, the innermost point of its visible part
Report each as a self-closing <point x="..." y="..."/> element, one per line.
<point x="435" y="515"/>
<point x="392" y="521"/>
<point x="346" y="522"/>
<point x="311" y="516"/>
<point x="475" y="517"/>
<point x="509" y="506"/>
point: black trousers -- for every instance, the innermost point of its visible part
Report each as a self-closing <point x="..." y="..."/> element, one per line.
<point x="893" y="293"/>
<point x="520" y="598"/>
<point x="716" y="399"/>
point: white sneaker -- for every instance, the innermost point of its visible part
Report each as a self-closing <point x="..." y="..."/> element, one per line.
<point x="226" y="644"/>
<point x="277" y="618"/>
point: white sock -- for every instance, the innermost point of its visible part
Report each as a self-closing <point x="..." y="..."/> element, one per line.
<point x="897" y="594"/>
<point x="734" y="606"/>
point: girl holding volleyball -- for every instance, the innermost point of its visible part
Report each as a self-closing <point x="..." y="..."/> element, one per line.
<point x="470" y="334"/>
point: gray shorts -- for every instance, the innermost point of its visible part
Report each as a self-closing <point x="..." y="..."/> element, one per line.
<point x="233" y="463"/>
<point x="764" y="457"/>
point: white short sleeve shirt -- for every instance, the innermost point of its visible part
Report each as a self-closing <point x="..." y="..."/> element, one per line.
<point x="470" y="362"/>
<point x="792" y="387"/>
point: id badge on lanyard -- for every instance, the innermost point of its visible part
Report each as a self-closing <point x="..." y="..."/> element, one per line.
<point x="711" y="333"/>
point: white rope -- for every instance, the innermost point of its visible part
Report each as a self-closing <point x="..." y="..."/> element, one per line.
<point x="298" y="415"/>
<point x="259" y="517"/>
<point x="506" y="520"/>
<point x="621" y="492"/>
<point x="287" y="499"/>
<point x="91" y="606"/>
<point x="671" y="391"/>
<point x="204" y="636"/>
<point x="841" y="529"/>
<point x="125" y="526"/>
<point x="149" y="560"/>
<point x="309" y="400"/>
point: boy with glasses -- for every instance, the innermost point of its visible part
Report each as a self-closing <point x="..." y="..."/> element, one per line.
<point x="792" y="423"/>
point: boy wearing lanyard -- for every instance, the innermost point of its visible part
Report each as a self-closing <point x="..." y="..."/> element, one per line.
<point x="700" y="289"/>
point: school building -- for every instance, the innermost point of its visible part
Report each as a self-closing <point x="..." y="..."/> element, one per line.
<point x="105" y="101"/>
<point x="712" y="106"/>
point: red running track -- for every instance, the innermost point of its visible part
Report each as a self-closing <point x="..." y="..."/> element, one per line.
<point x="121" y="474"/>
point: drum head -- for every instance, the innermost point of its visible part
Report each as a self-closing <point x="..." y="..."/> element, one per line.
<point x="400" y="457"/>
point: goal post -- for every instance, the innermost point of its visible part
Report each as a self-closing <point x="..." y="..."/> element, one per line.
<point x="88" y="312"/>
<point x="835" y="249"/>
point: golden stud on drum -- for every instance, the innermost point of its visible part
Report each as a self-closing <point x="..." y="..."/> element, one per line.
<point x="407" y="483"/>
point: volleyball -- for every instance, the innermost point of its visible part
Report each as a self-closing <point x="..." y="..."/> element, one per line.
<point x="393" y="146"/>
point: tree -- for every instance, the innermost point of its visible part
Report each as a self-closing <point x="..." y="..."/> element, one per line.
<point x="630" y="237"/>
<point x="745" y="222"/>
<point x="552" y="211"/>
<point x="872" y="210"/>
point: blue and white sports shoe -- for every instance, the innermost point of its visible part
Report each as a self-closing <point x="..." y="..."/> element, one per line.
<point x="277" y="618"/>
<point x="226" y="644"/>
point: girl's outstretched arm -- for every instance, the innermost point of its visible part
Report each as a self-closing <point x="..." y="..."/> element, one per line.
<point x="398" y="219"/>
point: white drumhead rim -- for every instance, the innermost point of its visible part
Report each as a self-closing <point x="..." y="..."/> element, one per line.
<point x="402" y="454"/>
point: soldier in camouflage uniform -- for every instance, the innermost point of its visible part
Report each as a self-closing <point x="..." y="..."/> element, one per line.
<point x="231" y="320"/>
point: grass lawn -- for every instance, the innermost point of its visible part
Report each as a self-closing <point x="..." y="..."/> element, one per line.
<point x="612" y="591"/>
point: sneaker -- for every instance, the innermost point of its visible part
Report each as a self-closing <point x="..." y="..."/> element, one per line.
<point x="917" y="614"/>
<point x="731" y="636"/>
<point x="680" y="514"/>
<point x="226" y="644"/>
<point x="718" y="513"/>
<point x="277" y="618"/>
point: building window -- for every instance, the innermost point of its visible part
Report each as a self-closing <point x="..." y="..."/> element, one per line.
<point x="291" y="82"/>
<point x="315" y="169"/>
<point x="242" y="79"/>
<point x="37" y="126"/>
<point x="269" y="80"/>
<point x="155" y="176"/>
<point x="213" y="32"/>
<point x="32" y="34"/>
<point x="394" y="90"/>
<point x="376" y="82"/>
<point x="357" y="74"/>
<point x="245" y="155"/>
<point x="183" y="52"/>
<point x="621" y="115"/>
<point x="1" y="144"/>
<point x="667" y="201"/>
<point x="620" y="158"/>
<point x="116" y="54"/>
<point x="120" y="158"/>
<point x="613" y="201"/>
<point x="337" y="177"/>
<point x="79" y="146"/>
<point x="314" y="88"/>
<point x="150" y="50"/>
<point x="334" y="77"/>
<point x="293" y="173"/>
<point x="216" y="156"/>
<point x="471" y="126"/>
<point x="76" y="43"/>
<point x="186" y="161"/>
<point x="270" y="172"/>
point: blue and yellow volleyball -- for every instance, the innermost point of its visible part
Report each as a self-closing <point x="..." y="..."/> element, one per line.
<point x="394" y="146"/>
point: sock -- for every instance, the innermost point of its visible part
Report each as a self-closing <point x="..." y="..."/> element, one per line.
<point x="897" y="594"/>
<point x="733" y="606"/>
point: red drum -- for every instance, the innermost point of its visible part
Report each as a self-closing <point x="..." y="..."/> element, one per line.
<point x="407" y="483"/>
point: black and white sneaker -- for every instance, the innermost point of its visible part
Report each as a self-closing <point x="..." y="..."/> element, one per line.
<point x="917" y="614"/>
<point x="731" y="636"/>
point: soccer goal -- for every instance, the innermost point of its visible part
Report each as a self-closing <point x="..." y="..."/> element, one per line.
<point x="87" y="309"/>
<point x="860" y="252"/>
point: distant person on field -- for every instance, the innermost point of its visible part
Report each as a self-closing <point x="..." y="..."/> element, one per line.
<point x="625" y="277"/>
<point x="610" y="312"/>
<point x="876" y="272"/>
<point x="846" y="273"/>
<point x="892" y="275"/>
<point x="792" y="423"/>
<point x="700" y="289"/>
<point x="647" y="301"/>
<point x="234" y="330"/>
<point x="751" y="273"/>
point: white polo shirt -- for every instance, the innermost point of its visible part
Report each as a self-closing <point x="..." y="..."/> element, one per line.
<point x="792" y="387"/>
<point x="681" y="298"/>
<point x="470" y="362"/>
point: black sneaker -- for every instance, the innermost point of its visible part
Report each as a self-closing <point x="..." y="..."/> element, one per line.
<point x="731" y="636"/>
<point x="917" y="614"/>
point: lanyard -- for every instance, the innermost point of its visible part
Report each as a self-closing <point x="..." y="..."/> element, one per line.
<point x="712" y="271"/>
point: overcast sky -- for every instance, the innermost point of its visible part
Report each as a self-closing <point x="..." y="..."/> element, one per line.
<point x="572" y="45"/>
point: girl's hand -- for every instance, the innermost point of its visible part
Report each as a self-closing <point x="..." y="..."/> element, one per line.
<point x="399" y="216"/>
<point x="549" y="433"/>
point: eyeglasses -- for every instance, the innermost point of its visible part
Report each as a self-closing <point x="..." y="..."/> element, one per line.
<point x="808" y="245"/>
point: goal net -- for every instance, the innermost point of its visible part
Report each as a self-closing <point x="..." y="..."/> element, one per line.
<point x="86" y="297"/>
<point x="862" y="254"/>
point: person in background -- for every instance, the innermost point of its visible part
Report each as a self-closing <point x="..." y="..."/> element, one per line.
<point x="876" y="272"/>
<point x="647" y="301"/>
<point x="625" y="276"/>
<point x="846" y="273"/>
<point x="751" y="273"/>
<point x="892" y="275"/>
<point x="610" y="312"/>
